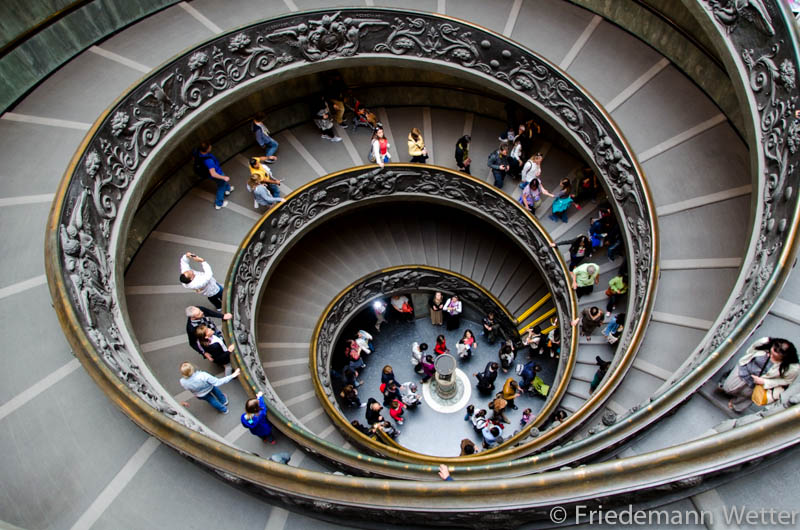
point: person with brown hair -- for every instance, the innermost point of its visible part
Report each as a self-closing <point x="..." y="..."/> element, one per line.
<point x="416" y="147"/>
<point x="436" y="305"/>
<point x="263" y="138"/>
<point x="255" y="418"/>
<point x="213" y="347"/>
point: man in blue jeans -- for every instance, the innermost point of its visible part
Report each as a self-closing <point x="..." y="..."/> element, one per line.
<point x="498" y="163"/>
<point x="215" y="173"/>
<point x="264" y="139"/>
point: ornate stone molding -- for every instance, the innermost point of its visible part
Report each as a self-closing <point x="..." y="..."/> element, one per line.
<point x="286" y="223"/>
<point x="105" y="179"/>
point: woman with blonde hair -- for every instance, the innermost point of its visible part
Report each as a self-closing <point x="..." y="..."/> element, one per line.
<point x="416" y="147"/>
<point x="263" y="185"/>
<point x="204" y="386"/>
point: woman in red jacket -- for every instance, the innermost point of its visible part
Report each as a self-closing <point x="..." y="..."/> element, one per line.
<point x="396" y="411"/>
<point x="441" y="345"/>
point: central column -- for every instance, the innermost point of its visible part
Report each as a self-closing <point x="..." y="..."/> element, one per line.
<point x="445" y="376"/>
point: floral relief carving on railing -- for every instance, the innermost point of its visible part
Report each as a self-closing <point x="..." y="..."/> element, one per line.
<point x="347" y="188"/>
<point x="764" y="53"/>
<point x="111" y="163"/>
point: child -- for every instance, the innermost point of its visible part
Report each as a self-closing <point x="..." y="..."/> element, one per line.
<point x="441" y="345"/>
<point x="470" y="412"/>
<point x="526" y="417"/>
<point x="396" y="411"/>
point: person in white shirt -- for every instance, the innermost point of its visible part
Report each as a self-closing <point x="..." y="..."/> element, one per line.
<point x="452" y="313"/>
<point x="201" y="282"/>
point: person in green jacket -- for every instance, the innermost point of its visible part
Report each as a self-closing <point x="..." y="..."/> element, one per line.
<point x="617" y="286"/>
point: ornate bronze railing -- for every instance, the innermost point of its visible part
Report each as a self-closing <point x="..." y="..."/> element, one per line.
<point x="285" y="225"/>
<point x="107" y="176"/>
<point x="101" y="191"/>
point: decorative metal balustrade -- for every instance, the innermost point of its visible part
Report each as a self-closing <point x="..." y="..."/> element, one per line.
<point x="284" y="226"/>
<point x="105" y="180"/>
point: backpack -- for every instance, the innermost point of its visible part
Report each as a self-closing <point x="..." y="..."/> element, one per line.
<point x="199" y="165"/>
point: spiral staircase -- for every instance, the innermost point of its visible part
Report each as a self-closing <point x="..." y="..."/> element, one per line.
<point x="74" y="460"/>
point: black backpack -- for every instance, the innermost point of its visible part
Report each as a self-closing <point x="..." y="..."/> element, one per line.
<point x="199" y="164"/>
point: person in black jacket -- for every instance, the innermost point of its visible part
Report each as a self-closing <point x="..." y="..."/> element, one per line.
<point x="214" y="348"/>
<point x="462" y="153"/>
<point x="373" y="413"/>
<point x="196" y="316"/>
<point x="498" y="163"/>
<point x="487" y="377"/>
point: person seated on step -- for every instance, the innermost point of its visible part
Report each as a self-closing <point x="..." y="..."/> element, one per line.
<point x="760" y="376"/>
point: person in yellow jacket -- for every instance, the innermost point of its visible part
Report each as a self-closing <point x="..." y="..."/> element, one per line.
<point x="511" y="392"/>
<point x="416" y="147"/>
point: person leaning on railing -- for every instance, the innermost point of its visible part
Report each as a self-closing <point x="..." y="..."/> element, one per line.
<point x="769" y="362"/>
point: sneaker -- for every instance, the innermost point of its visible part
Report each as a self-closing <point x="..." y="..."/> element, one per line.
<point x="324" y="136"/>
<point x="230" y="191"/>
<point x="362" y="406"/>
<point x="336" y="139"/>
<point x="219" y="207"/>
<point x="522" y="185"/>
<point x="225" y="411"/>
<point x="225" y="404"/>
<point x="343" y="125"/>
<point x="255" y="204"/>
<point x="608" y="314"/>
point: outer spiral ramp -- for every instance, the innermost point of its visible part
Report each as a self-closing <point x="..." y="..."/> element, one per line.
<point x="73" y="460"/>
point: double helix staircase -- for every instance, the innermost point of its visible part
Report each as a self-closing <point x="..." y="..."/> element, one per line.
<point x="59" y="429"/>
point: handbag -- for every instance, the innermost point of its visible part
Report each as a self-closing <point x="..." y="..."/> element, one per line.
<point x="609" y="292"/>
<point x="760" y="396"/>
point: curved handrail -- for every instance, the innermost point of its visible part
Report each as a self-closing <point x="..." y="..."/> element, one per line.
<point x="87" y="211"/>
<point x="284" y="225"/>
<point x="358" y="295"/>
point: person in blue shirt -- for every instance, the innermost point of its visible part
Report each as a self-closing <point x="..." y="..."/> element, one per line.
<point x="255" y="418"/>
<point x="215" y="173"/>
